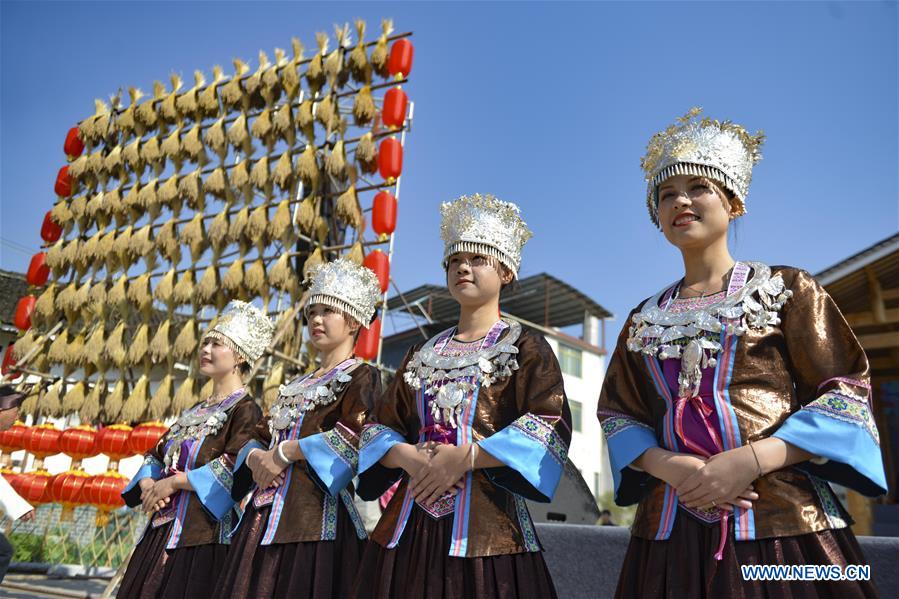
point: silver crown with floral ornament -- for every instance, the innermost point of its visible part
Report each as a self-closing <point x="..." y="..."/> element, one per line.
<point x="243" y="328"/>
<point x="346" y="286"/>
<point x="482" y="224"/>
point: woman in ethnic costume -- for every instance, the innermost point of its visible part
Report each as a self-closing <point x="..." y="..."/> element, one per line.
<point x="733" y="398"/>
<point x="475" y="422"/>
<point x="185" y="481"/>
<point x="301" y="535"/>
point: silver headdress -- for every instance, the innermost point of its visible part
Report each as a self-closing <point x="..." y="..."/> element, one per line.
<point x="346" y="286"/>
<point x="482" y="224"/>
<point x="720" y="150"/>
<point x="244" y="328"/>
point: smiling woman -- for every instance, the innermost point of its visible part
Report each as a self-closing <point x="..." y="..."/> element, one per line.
<point x="723" y="479"/>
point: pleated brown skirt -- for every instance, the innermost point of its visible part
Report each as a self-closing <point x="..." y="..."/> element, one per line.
<point x="685" y="566"/>
<point x="155" y="572"/>
<point x="419" y="566"/>
<point x="315" y="569"/>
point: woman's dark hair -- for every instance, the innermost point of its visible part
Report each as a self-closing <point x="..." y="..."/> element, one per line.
<point x="245" y="368"/>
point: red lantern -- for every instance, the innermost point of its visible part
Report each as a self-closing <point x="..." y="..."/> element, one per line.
<point x="113" y="441"/>
<point x="367" y="345"/>
<point x="10" y="476"/>
<point x="390" y="159"/>
<point x="378" y="262"/>
<point x="24" y="308"/>
<point x="73" y="147"/>
<point x="395" y="103"/>
<point x="34" y="486"/>
<point x="50" y="231"/>
<point x="145" y="436"/>
<point x="65" y="489"/>
<point x="38" y="271"/>
<point x="383" y="214"/>
<point x="13" y="438"/>
<point x="63" y="186"/>
<point x="104" y="491"/>
<point x="399" y="63"/>
<point x="9" y="362"/>
<point x="79" y="442"/>
<point x="42" y="441"/>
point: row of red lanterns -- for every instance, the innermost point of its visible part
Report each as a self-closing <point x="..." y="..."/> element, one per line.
<point x="116" y="441"/>
<point x="70" y="489"/>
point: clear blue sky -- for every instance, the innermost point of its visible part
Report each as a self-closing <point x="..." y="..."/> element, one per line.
<point x="548" y="105"/>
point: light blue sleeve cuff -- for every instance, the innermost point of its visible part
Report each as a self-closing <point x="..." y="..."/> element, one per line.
<point x="332" y="458"/>
<point x="151" y="468"/>
<point x="841" y="429"/>
<point x="376" y="441"/>
<point x="532" y="448"/>
<point x="212" y="485"/>
<point x="627" y="440"/>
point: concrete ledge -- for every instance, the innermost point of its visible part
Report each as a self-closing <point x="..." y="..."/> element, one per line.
<point x="585" y="560"/>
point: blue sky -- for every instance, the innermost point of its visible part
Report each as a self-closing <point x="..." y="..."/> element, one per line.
<point x="548" y="105"/>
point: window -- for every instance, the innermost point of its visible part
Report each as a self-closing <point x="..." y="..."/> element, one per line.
<point x="575" y="414"/>
<point x="570" y="360"/>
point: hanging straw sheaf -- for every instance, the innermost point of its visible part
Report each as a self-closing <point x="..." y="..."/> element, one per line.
<point x="272" y="384"/>
<point x="290" y="78"/>
<point x="78" y="169"/>
<point x="232" y="93"/>
<point x="190" y="186"/>
<point x="59" y="346"/>
<point x="161" y="401"/>
<point x="44" y="307"/>
<point x="216" y="184"/>
<point x="188" y="102"/>
<point x="126" y="123"/>
<point x="208" y="285"/>
<point x="335" y="162"/>
<point x="305" y="120"/>
<point x="307" y="168"/>
<point x="95" y="344"/>
<point x="260" y="178"/>
<point x="208" y="102"/>
<point x="114" y="401"/>
<point x="165" y="288"/>
<point x="185" y="396"/>
<point x="186" y="342"/>
<point x="233" y="279"/>
<point x="360" y="69"/>
<point x="333" y="63"/>
<point x="281" y="274"/>
<point x="139" y="292"/>
<point x="168" y="194"/>
<point x="238" y="224"/>
<point x="146" y="111"/>
<point x="255" y="280"/>
<point x="218" y="232"/>
<point x="167" y="242"/>
<point x="262" y="129"/>
<point x="280" y="226"/>
<point x="271" y="84"/>
<point x="216" y="140"/>
<point x="183" y="292"/>
<point x="23" y="345"/>
<point x="282" y="124"/>
<point x="305" y="216"/>
<point x="327" y="114"/>
<point x="115" y="346"/>
<point x="168" y="110"/>
<point x="364" y="110"/>
<point x="29" y="406"/>
<point x="314" y="259"/>
<point x="90" y="408"/>
<point x="49" y="404"/>
<point x="171" y="147"/>
<point x="113" y="162"/>
<point x="159" y="346"/>
<point x="239" y="136"/>
<point x="283" y="176"/>
<point x="192" y="146"/>
<point x="136" y="404"/>
<point x="380" y="53"/>
<point x="137" y="348"/>
<point x="253" y="84"/>
<point x="257" y="226"/>
<point x="73" y="400"/>
<point x="118" y="295"/>
<point x="348" y="209"/>
<point x="315" y="75"/>
<point x="194" y="236"/>
<point x="240" y="179"/>
<point x="150" y="152"/>
<point x="133" y="157"/>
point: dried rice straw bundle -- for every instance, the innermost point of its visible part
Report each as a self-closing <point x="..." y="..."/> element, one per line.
<point x="167" y="242"/>
<point x="192" y="146"/>
<point x="159" y="346"/>
<point x="78" y="206"/>
<point x="260" y="178"/>
<point x="218" y="232"/>
<point x="151" y="153"/>
<point x="208" y="285"/>
<point x="279" y="227"/>
<point x="253" y="84"/>
<point x="305" y="216"/>
<point x="55" y="259"/>
<point x="255" y="280"/>
<point x="185" y="397"/>
<point x="262" y="129"/>
<point x="125" y="123"/>
<point x="271" y="84"/>
<point x="74" y="355"/>
<point x="90" y="409"/>
<point x="314" y="259"/>
<point x="321" y="228"/>
<point x="112" y="201"/>
<point x="62" y="214"/>
<point x="348" y="209"/>
<point x="335" y="162"/>
<point x="188" y="102"/>
<point x="281" y="273"/>
<point x="326" y="113"/>
<point x="240" y="179"/>
<point x="183" y="292"/>
<point x="257" y="227"/>
<point x="367" y="154"/>
<point x="194" y="236"/>
<point x="106" y="249"/>
<point x="113" y="404"/>
<point x="315" y="75"/>
<point x="165" y="288"/>
<point x="49" y="404"/>
<point x="239" y="136"/>
<point x="115" y="347"/>
<point x="216" y="185"/>
<point x="78" y="169"/>
<point x="146" y="194"/>
<point x="360" y="69"/>
<point x="208" y="102"/>
<point x="113" y="163"/>
<point x="139" y="292"/>
<point x="307" y="168"/>
<point x="117" y="295"/>
<point x="186" y="342"/>
<point x="238" y="224"/>
<point x="97" y="169"/>
<point x="122" y="246"/>
<point x="283" y="176"/>
<point x="58" y="347"/>
<point x="290" y="78"/>
<point x="333" y="67"/>
<point x="133" y="159"/>
<point x="216" y="140"/>
<point x="73" y="399"/>
<point x="136" y="404"/>
<point x="95" y="345"/>
<point x="356" y="254"/>
<point x="171" y="148"/>
<point x="132" y="203"/>
<point x="380" y="53"/>
<point x="23" y="345"/>
<point x="141" y="243"/>
<point x="45" y="306"/>
<point x="233" y="279"/>
<point x="137" y="349"/>
<point x="282" y="124"/>
<point x="364" y="110"/>
<point x="146" y="111"/>
<point x="305" y="120"/>
<point x="168" y="111"/>
<point x="231" y="93"/>
<point x="162" y="399"/>
<point x="168" y="194"/>
<point x="93" y="129"/>
<point x="190" y="186"/>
